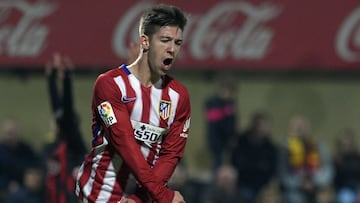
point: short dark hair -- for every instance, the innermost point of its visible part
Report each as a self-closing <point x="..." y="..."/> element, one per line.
<point x="161" y="15"/>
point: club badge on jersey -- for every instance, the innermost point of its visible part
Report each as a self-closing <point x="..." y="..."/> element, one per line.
<point x="164" y="109"/>
<point x="106" y="113"/>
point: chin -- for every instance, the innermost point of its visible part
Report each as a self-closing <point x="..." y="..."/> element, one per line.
<point x="162" y="73"/>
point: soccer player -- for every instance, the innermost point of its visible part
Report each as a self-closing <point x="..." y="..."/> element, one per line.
<point x="141" y="119"/>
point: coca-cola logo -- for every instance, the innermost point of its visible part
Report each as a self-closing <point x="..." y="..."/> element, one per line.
<point x="25" y="36"/>
<point x="348" y="37"/>
<point x="234" y="30"/>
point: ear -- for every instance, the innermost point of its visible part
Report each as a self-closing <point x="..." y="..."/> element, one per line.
<point x="144" y="41"/>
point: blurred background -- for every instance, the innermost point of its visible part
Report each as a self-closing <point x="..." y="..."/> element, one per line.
<point x="286" y="72"/>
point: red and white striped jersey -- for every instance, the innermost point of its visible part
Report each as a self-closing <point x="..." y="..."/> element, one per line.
<point x="136" y="129"/>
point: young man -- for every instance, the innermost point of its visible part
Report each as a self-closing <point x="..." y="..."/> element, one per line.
<point x="141" y="119"/>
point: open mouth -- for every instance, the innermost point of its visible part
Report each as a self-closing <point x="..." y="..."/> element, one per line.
<point x="168" y="61"/>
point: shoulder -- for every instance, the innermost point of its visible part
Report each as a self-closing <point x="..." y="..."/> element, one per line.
<point x="112" y="73"/>
<point x="176" y="85"/>
<point x="108" y="77"/>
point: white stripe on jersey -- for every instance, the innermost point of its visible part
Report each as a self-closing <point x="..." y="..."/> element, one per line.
<point x="88" y="186"/>
<point x="110" y="178"/>
<point x="156" y="94"/>
<point x="145" y="150"/>
<point x="138" y="105"/>
<point x="80" y="173"/>
<point x="158" y="147"/>
<point x="107" y="186"/>
<point x="137" y="110"/>
<point x="174" y="97"/>
<point x="121" y="84"/>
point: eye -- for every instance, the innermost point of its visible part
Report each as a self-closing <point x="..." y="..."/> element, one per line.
<point x="178" y="42"/>
<point x="165" y="39"/>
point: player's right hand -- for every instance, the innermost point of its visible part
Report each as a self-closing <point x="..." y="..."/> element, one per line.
<point x="178" y="198"/>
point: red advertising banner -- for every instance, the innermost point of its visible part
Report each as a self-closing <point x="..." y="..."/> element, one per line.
<point x="234" y="34"/>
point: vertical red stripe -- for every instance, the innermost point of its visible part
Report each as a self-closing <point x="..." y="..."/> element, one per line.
<point x="87" y="167"/>
<point x="150" y="159"/>
<point x="146" y="99"/>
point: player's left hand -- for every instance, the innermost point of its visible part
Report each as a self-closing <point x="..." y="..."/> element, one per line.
<point x="127" y="200"/>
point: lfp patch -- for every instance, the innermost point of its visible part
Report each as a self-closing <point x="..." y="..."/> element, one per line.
<point x="164" y="109"/>
<point x="106" y="113"/>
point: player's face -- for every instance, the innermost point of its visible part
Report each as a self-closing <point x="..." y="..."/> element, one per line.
<point x="164" y="47"/>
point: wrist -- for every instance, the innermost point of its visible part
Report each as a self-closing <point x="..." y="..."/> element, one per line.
<point x="135" y="198"/>
<point x="166" y="196"/>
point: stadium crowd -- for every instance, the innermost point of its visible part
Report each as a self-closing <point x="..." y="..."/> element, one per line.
<point x="248" y="166"/>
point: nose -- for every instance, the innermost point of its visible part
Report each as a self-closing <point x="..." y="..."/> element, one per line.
<point x="171" y="48"/>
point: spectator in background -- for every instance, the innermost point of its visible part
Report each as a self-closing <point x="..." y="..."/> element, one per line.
<point x="220" y="114"/>
<point x="347" y="167"/>
<point x="33" y="190"/>
<point x="270" y="195"/>
<point x="224" y="189"/>
<point x="305" y="164"/>
<point x="15" y="157"/>
<point x="255" y="157"/>
<point x="65" y="154"/>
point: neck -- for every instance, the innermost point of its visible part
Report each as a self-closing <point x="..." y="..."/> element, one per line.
<point x="141" y="70"/>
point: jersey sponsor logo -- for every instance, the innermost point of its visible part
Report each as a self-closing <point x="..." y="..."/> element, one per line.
<point x="185" y="131"/>
<point x="147" y="133"/>
<point x="125" y="99"/>
<point x="106" y="113"/>
<point x="164" y="109"/>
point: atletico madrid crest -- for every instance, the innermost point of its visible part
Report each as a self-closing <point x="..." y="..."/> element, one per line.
<point x="164" y="109"/>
